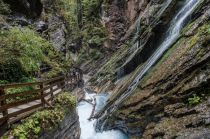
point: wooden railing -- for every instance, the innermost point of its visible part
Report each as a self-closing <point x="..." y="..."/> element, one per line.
<point x="14" y="107"/>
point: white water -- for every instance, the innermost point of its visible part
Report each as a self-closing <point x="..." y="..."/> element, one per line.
<point x="87" y="127"/>
<point x="172" y="35"/>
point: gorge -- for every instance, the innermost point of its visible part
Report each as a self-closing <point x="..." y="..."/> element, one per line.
<point x="145" y="66"/>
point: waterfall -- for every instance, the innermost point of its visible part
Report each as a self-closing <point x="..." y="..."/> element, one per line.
<point x="136" y="41"/>
<point x="172" y="35"/>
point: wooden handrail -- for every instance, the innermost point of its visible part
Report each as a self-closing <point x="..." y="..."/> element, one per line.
<point x="43" y="91"/>
<point x="15" y="85"/>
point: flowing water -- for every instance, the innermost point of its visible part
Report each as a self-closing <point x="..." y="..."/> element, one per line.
<point x="136" y="41"/>
<point x="171" y="36"/>
<point x="88" y="127"/>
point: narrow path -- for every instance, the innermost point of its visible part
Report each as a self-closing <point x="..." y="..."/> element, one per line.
<point x="30" y="104"/>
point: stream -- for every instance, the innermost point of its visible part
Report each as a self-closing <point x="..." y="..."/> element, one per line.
<point x="88" y="127"/>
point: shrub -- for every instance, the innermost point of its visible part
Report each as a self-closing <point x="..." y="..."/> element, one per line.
<point x="22" y="52"/>
<point x="65" y="99"/>
<point x="194" y="100"/>
<point x="91" y="9"/>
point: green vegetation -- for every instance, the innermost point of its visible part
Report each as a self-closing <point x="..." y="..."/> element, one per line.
<point x="83" y="25"/>
<point x="194" y="100"/>
<point x="65" y="99"/>
<point x="5" y="9"/>
<point x="91" y="9"/>
<point x="22" y="52"/>
<point x="68" y="10"/>
<point x="94" y="34"/>
<point x="21" y="89"/>
<point x="45" y="120"/>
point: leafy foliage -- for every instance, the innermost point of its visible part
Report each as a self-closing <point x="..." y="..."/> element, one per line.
<point x="94" y="35"/>
<point x="194" y="100"/>
<point x="68" y="10"/>
<point x="91" y="10"/>
<point x="64" y="99"/>
<point x="22" y="52"/>
<point x="92" y="32"/>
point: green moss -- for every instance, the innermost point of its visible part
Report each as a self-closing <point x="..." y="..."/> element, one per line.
<point x="22" y="51"/>
<point x="194" y="100"/>
<point x="45" y="120"/>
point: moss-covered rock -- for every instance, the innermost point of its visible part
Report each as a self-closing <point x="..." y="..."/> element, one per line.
<point x="22" y="52"/>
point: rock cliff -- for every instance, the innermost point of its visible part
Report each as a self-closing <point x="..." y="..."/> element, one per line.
<point x="172" y="100"/>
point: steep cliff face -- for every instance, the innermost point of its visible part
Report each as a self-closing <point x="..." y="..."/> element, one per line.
<point x="146" y="22"/>
<point x="172" y="100"/>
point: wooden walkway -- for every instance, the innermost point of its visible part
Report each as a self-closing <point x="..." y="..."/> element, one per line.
<point x="14" y="107"/>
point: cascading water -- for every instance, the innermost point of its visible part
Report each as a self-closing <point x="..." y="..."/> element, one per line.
<point x="171" y="36"/>
<point x="136" y="42"/>
<point x="87" y="127"/>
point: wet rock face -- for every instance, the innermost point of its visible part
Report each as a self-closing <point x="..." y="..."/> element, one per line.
<point x="56" y="32"/>
<point x="172" y="101"/>
<point x="114" y="19"/>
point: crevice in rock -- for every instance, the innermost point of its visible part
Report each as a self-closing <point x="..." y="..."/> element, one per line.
<point x="30" y="8"/>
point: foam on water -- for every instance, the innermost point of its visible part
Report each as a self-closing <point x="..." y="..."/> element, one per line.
<point x="88" y="127"/>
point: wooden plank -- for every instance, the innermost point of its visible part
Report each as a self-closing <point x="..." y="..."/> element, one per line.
<point x="54" y="79"/>
<point x="42" y="93"/>
<point x="23" y="115"/>
<point x="53" y="90"/>
<point x="14" y="104"/>
<point x="14" y="114"/>
<point x="24" y="110"/>
<point x="51" y="85"/>
<point x="2" y="103"/>
<point x="16" y="85"/>
<point x="31" y="92"/>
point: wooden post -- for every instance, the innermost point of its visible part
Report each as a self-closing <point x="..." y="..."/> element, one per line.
<point x="3" y="102"/>
<point x="42" y="94"/>
<point x="51" y="91"/>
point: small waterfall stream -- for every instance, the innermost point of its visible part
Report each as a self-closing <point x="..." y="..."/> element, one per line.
<point x="88" y="127"/>
<point x="171" y="36"/>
